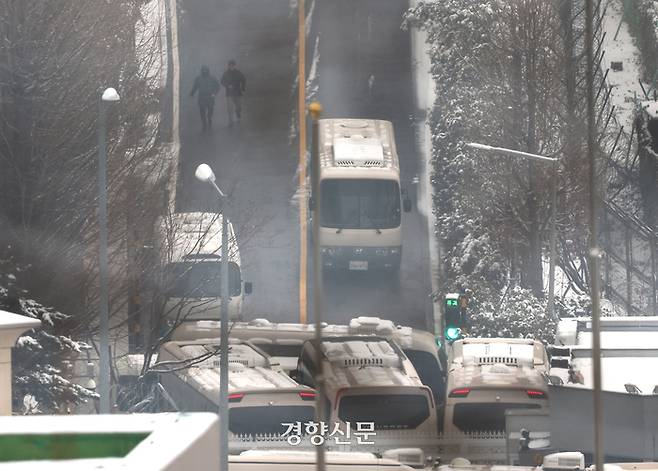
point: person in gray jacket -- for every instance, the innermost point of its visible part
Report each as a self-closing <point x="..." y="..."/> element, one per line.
<point x="207" y="87"/>
<point x="234" y="83"/>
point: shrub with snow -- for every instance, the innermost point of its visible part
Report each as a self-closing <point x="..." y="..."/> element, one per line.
<point x="42" y="358"/>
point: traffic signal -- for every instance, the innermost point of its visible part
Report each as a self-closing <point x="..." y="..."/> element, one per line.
<point x="452" y="317"/>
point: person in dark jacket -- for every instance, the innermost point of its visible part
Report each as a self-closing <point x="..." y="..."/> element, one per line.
<point x="234" y="83"/>
<point x="207" y="87"/>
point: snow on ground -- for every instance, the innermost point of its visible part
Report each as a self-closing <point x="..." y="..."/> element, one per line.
<point x="625" y="83"/>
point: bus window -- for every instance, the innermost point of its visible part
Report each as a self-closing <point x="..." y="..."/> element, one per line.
<point x="267" y="419"/>
<point x="360" y="203"/>
<point x="386" y="411"/>
<point x="200" y="279"/>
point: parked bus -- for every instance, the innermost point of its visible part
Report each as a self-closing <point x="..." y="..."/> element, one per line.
<point x="361" y="197"/>
<point x="369" y="379"/>
<point x="261" y="395"/>
<point x="488" y="376"/>
<point x="189" y="247"/>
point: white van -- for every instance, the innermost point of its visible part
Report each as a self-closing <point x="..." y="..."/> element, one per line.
<point x="190" y="247"/>
<point x="283" y="460"/>
<point x="487" y="376"/>
<point x="261" y="396"/>
<point x="361" y="198"/>
<point x="369" y="379"/>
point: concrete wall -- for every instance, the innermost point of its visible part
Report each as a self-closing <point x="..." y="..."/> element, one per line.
<point x="630" y="423"/>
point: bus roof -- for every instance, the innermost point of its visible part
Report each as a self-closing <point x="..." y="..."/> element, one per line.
<point x="358" y="148"/>
<point x="366" y="361"/>
<point x="249" y="369"/>
<point x="264" y="331"/>
<point x="196" y="236"/>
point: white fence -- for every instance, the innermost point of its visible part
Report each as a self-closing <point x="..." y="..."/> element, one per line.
<point x="481" y="448"/>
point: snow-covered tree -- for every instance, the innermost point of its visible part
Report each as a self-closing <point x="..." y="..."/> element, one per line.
<point x="508" y="74"/>
<point x="42" y="359"/>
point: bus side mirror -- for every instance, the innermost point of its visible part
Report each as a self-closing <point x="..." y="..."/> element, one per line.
<point x="406" y="202"/>
<point x="248" y="287"/>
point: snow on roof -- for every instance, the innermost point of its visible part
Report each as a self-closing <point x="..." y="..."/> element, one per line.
<point x="196" y="233"/>
<point x="249" y="370"/>
<point x="498" y="350"/>
<point x="284" y="332"/>
<point x="361" y="353"/>
<point x="366" y="362"/>
<point x="358" y="151"/>
<point x="495" y="362"/>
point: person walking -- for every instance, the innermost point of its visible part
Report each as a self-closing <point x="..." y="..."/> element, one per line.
<point x="234" y="83"/>
<point x="207" y="87"/>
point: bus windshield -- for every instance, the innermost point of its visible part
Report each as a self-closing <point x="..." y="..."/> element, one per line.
<point x="200" y="279"/>
<point x="360" y="204"/>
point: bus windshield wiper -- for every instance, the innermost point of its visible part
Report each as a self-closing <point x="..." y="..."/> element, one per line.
<point x="377" y="230"/>
<point x="339" y="230"/>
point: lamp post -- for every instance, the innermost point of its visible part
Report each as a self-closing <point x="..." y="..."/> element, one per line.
<point x="315" y="109"/>
<point x="110" y="95"/>
<point x="205" y="174"/>
<point x="550" y="305"/>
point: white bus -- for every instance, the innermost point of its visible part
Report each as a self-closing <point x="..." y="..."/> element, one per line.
<point x="261" y="396"/>
<point x="361" y="196"/>
<point x="487" y="376"/>
<point x="190" y="246"/>
<point x="369" y="379"/>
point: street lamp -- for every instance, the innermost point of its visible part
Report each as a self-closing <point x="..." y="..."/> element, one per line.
<point x="110" y="95"/>
<point x="205" y="174"/>
<point x="550" y="305"/>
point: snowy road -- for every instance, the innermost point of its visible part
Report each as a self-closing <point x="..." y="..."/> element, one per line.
<point x="360" y="44"/>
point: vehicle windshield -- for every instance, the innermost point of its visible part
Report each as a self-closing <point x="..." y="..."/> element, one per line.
<point x="490" y="417"/>
<point x="360" y="204"/>
<point x="199" y="279"/>
<point x="267" y="419"/>
<point x="386" y="411"/>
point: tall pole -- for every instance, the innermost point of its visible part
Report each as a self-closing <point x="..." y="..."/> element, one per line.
<point x="223" y="335"/>
<point x="223" y="339"/>
<point x="205" y="174"/>
<point x="104" y="353"/>
<point x="315" y="109"/>
<point x="550" y="308"/>
<point x="593" y="231"/>
<point x="301" y="117"/>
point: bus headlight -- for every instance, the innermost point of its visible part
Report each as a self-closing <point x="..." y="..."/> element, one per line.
<point x="330" y="251"/>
